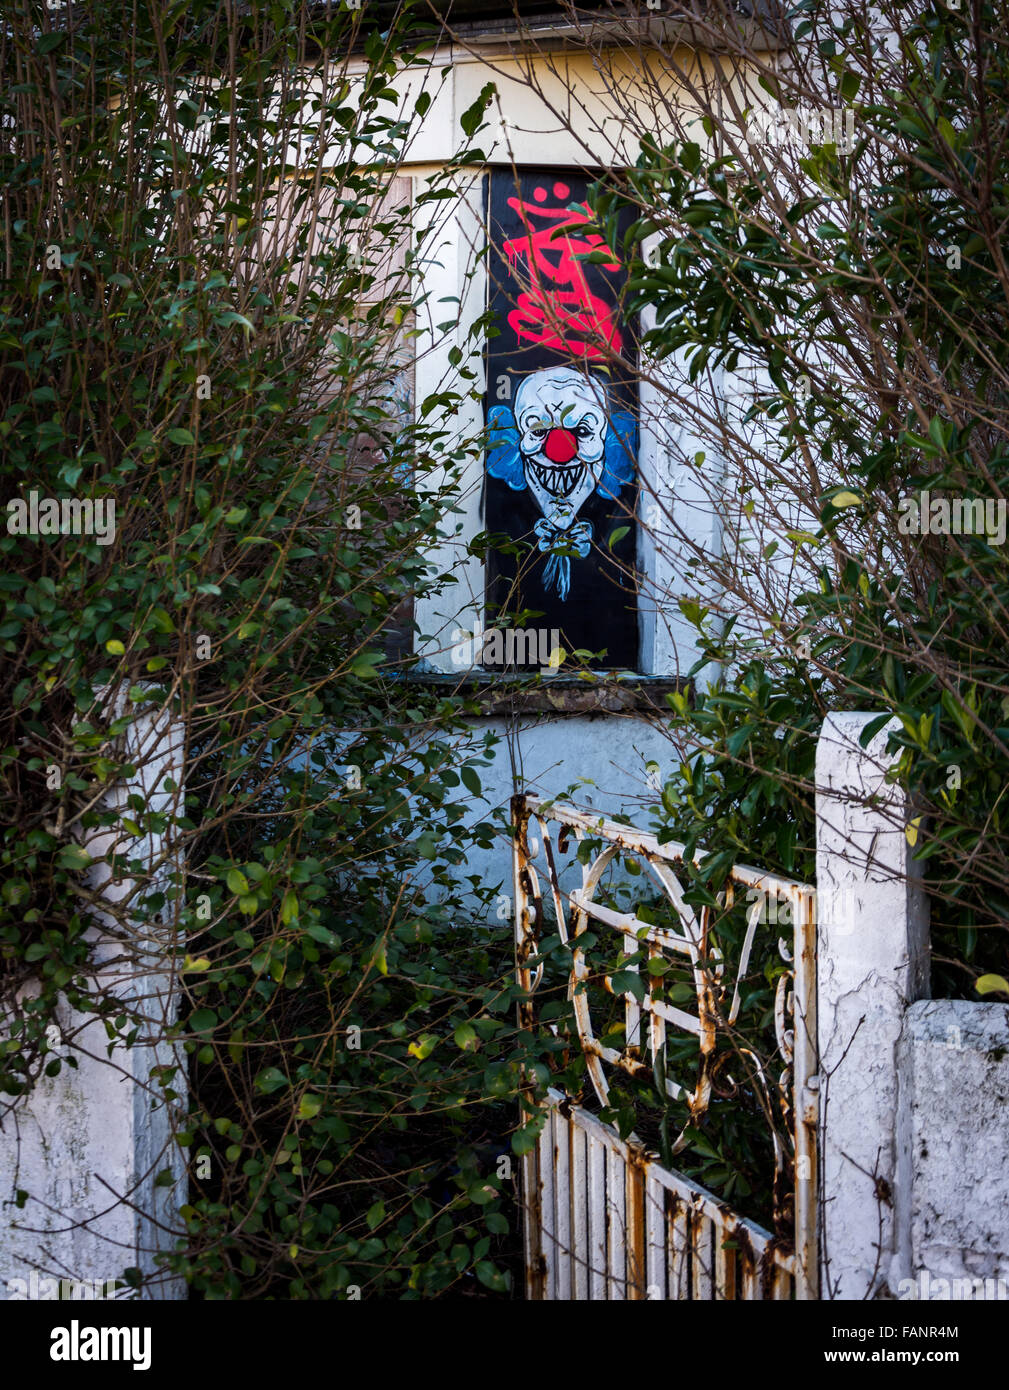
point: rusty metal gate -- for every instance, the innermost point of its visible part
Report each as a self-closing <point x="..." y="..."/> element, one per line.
<point x="604" y="1218"/>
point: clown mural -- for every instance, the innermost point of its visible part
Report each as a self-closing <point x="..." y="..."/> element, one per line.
<point x="562" y="436"/>
<point x="563" y="443"/>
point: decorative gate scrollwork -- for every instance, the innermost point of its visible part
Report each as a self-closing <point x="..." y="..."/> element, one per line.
<point x="648" y="1019"/>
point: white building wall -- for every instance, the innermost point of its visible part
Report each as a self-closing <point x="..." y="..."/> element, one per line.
<point x="913" y="1091"/>
<point x="81" y="1153"/>
<point x="951" y="1119"/>
<point x="596" y="761"/>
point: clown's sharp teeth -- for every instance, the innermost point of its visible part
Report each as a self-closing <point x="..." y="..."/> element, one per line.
<point x="559" y="481"/>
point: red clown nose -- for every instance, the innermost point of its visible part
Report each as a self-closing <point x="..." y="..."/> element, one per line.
<point x="560" y="446"/>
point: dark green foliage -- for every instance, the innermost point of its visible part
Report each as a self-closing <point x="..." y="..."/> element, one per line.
<point x="877" y="275"/>
<point x="222" y="347"/>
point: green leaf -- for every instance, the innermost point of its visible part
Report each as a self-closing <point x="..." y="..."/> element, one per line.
<point x="426" y="845"/>
<point x="491" y="1277"/>
<point x="270" y="1080"/>
<point x="947" y="131"/>
<point x="628" y="982"/>
<point x="472" y="118"/>
<point x="363" y="665"/>
<point x="74" y="857"/>
<point x="423" y="1047"/>
<point x="692" y="611"/>
<point x="739" y="737"/>
<point x="237" y="882"/>
<point x="524" y="1141"/>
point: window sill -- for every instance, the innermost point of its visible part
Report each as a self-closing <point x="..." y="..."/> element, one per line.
<point x="606" y="693"/>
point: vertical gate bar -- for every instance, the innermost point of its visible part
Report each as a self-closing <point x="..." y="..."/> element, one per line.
<point x="725" y="1264"/>
<point x="523" y="925"/>
<point x="616" y="1211"/>
<point x="656" y="1024"/>
<point x="806" y="1081"/>
<point x="749" y="1279"/>
<point x="678" y="1248"/>
<point x="562" y="1204"/>
<point x="632" y="1009"/>
<point x="702" y="1255"/>
<point x="636" y="1278"/>
<point x="532" y="1166"/>
<point x="548" y="1224"/>
<point x="656" y="1230"/>
<point x="580" y="1252"/>
<point x="597" y="1218"/>
<point x="781" y="1284"/>
<point x="655" y="1238"/>
<point x="532" y="1216"/>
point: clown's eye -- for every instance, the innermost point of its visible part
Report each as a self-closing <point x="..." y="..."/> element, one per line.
<point x="537" y="432"/>
<point x="583" y="431"/>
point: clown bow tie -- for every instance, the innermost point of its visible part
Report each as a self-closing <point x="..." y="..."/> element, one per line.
<point x="560" y="544"/>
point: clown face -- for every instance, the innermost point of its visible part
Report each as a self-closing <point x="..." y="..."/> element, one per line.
<point x="561" y="419"/>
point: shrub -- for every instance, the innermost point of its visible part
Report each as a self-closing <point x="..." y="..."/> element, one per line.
<point x="206" y="322"/>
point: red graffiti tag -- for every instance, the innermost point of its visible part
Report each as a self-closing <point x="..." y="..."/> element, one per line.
<point x="559" y="310"/>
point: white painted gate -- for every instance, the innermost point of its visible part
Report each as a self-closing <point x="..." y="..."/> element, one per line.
<point x="604" y="1219"/>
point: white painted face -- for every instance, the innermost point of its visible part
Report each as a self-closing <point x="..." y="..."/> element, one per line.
<point x="561" y="419"/>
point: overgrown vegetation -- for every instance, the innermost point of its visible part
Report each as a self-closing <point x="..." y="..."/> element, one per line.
<point x="207" y="318"/>
<point x="207" y="321"/>
<point x="830" y="320"/>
